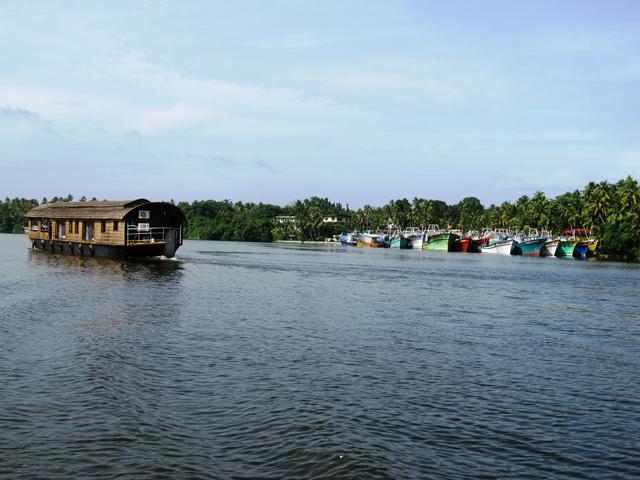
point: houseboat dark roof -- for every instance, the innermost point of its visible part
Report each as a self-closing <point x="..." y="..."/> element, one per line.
<point x="94" y="209"/>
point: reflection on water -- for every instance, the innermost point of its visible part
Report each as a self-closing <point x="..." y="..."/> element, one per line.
<point x="247" y="360"/>
<point x="153" y="269"/>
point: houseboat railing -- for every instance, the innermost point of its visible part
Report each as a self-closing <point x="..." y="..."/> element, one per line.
<point x="138" y="234"/>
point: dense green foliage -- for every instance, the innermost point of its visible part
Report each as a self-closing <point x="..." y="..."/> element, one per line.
<point x="309" y="225"/>
<point x="611" y="211"/>
<point x="12" y="214"/>
<point x="224" y="220"/>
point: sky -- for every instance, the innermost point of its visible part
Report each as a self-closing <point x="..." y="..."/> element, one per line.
<point x="358" y="101"/>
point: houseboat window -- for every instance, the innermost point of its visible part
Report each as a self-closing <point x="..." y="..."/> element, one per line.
<point x="34" y="225"/>
<point x="61" y="230"/>
<point x="45" y="224"/>
<point x="103" y="226"/>
<point x="115" y="226"/>
<point x="144" y="214"/>
<point x="88" y="230"/>
<point x="77" y="230"/>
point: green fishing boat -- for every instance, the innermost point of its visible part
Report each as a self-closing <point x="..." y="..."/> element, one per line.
<point x="442" y="242"/>
<point x="566" y="247"/>
<point x="399" y="241"/>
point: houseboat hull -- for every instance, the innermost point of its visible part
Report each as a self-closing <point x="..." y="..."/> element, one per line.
<point x="504" y="247"/>
<point x="97" y="250"/>
<point x="442" y="242"/>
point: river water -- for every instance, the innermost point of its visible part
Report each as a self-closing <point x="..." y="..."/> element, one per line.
<point x="240" y="360"/>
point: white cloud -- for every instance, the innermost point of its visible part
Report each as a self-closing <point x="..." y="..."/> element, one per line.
<point x="136" y="68"/>
<point x="61" y="104"/>
<point x="45" y="102"/>
<point x="159" y="100"/>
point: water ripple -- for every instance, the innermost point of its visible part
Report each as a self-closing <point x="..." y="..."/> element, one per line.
<point x="260" y="361"/>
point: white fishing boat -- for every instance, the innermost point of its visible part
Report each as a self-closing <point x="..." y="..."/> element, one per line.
<point x="550" y="247"/>
<point x="416" y="240"/>
<point x="499" y="247"/>
<point x="415" y="236"/>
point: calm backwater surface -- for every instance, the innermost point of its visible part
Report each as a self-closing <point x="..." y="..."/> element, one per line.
<point x="246" y="360"/>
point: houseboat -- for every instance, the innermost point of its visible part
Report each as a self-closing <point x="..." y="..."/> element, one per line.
<point x="135" y="228"/>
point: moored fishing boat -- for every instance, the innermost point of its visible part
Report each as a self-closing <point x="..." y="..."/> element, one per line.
<point x="439" y="240"/>
<point x="443" y="242"/>
<point x="581" y="249"/>
<point x="347" y="239"/>
<point x="530" y="247"/>
<point x="466" y="244"/>
<point x="529" y="244"/>
<point x="483" y="238"/>
<point x="371" y="240"/>
<point x="566" y="246"/>
<point x="399" y="241"/>
<point x="499" y="247"/>
<point x="415" y="236"/>
<point x="416" y="240"/>
<point x="550" y="247"/>
<point x="586" y="248"/>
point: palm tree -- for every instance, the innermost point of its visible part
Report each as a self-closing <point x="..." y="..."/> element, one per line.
<point x="470" y="212"/>
<point x="539" y="214"/>
<point x="507" y="214"/>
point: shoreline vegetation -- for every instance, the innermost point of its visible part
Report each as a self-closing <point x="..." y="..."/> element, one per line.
<point x="611" y="211"/>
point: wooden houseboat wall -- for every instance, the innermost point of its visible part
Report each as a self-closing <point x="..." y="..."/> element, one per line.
<point x="107" y="228"/>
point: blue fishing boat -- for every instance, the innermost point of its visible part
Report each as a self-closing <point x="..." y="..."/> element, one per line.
<point x="348" y="239"/>
<point x="586" y="248"/>
<point x="529" y="244"/>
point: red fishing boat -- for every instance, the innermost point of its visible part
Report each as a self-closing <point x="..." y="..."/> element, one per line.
<point x="466" y="244"/>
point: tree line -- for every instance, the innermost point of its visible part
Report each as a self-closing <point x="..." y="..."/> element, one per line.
<point x="611" y="211"/>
